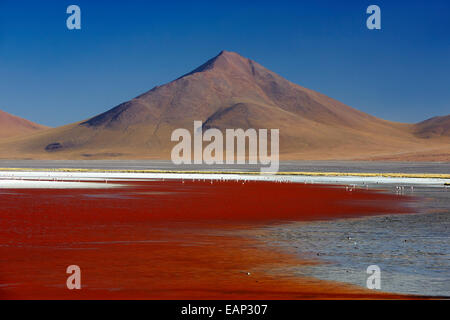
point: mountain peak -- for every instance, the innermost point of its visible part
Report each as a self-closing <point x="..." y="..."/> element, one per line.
<point x="225" y="61"/>
<point x="231" y="57"/>
<point x="227" y="53"/>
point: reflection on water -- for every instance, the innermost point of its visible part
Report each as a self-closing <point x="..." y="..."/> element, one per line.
<point x="413" y="251"/>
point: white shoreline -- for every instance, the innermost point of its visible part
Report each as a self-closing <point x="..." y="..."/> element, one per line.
<point x="62" y="180"/>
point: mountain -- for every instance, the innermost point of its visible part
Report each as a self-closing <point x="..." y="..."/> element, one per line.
<point x="434" y="127"/>
<point x="230" y="91"/>
<point x="12" y="126"/>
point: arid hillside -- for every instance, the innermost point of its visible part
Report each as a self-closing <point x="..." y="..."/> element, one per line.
<point x="13" y="126"/>
<point x="230" y="91"/>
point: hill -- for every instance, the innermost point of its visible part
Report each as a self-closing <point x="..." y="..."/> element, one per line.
<point x="13" y="126"/>
<point x="230" y="91"/>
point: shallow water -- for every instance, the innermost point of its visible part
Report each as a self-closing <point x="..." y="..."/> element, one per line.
<point x="412" y="251"/>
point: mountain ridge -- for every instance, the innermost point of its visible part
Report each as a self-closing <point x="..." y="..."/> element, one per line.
<point x="230" y="91"/>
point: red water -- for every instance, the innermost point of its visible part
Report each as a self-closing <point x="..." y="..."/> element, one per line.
<point x="168" y="240"/>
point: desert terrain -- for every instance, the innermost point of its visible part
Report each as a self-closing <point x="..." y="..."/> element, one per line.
<point x="230" y="91"/>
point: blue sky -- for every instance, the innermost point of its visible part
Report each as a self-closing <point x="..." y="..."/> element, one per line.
<point x="55" y="76"/>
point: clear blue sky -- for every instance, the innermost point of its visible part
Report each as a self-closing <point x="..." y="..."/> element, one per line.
<point x="54" y="76"/>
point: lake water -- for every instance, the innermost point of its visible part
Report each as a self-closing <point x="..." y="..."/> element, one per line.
<point x="412" y="251"/>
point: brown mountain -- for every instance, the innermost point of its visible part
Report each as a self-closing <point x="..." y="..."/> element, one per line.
<point x="230" y="91"/>
<point x="434" y="127"/>
<point x="12" y="126"/>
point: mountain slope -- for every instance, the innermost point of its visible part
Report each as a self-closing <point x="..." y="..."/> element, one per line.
<point x="434" y="127"/>
<point x="228" y="91"/>
<point x="11" y="126"/>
